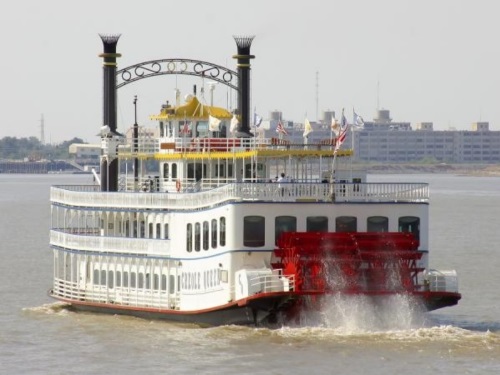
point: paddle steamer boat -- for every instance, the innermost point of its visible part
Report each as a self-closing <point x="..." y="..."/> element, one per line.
<point x="213" y="238"/>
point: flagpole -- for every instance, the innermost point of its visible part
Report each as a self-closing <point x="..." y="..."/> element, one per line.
<point x="184" y="127"/>
<point x="352" y="137"/>
<point x="332" y="177"/>
<point x="254" y="142"/>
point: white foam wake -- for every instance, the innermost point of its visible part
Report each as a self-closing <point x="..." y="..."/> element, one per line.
<point x="361" y="313"/>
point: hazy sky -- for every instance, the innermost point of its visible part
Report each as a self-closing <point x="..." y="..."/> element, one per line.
<point x="426" y="60"/>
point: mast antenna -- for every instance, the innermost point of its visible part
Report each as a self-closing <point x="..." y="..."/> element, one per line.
<point x="42" y="130"/>
<point x="317" y="95"/>
<point x="378" y="95"/>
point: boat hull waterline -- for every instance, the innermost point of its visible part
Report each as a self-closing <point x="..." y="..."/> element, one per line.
<point x="260" y="310"/>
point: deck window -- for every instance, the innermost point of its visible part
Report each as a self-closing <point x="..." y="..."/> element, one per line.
<point x="197" y="237"/>
<point x="103" y="277"/>
<point x="189" y="237"/>
<point x="156" y="281"/>
<point x="196" y="171"/>
<point x="346" y="224"/>
<point x="205" y="235"/>
<point x="140" y="279"/>
<point x="254" y="231"/>
<point x="284" y="224"/>
<point x="377" y="224"/>
<point x="143" y="228"/>
<point x="125" y="279"/>
<point x="171" y="284"/>
<point x="164" y="282"/>
<point x="214" y="233"/>
<point x="222" y="239"/>
<point x="165" y="228"/>
<point x="410" y="224"/>
<point x="174" y="171"/>
<point x="111" y="279"/>
<point x="133" y="279"/>
<point x="317" y="224"/>
<point x="118" y="278"/>
<point x="220" y="170"/>
<point x="96" y="277"/>
<point x="150" y="230"/>
<point x="158" y="230"/>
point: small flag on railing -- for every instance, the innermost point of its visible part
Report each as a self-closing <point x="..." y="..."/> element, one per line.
<point x="257" y="120"/>
<point x="335" y="127"/>
<point x="213" y="123"/>
<point x="307" y="128"/>
<point x="234" y="124"/>
<point x="357" y="120"/>
<point x="340" y="138"/>
<point x="185" y="129"/>
<point x="280" y="129"/>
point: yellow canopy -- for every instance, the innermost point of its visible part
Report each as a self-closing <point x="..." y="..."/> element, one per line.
<point x="192" y="109"/>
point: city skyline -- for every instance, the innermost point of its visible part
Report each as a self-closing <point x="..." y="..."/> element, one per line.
<point x="424" y="61"/>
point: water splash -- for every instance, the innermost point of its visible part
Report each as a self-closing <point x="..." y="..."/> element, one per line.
<point x="362" y="313"/>
<point x="56" y="308"/>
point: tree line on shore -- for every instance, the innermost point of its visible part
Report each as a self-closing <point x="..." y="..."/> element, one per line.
<point x="12" y="148"/>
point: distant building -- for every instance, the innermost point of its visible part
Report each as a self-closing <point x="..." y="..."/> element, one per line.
<point x="85" y="154"/>
<point x="385" y="141"/>
<point x="383" y="122"/>
<point x="480" y="126"/>
<point x="480" y="145"/>
<point x="144" y="133"/>
<point x="424" y="126"/>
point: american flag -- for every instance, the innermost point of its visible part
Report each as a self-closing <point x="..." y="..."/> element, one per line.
<point x="341" y="138"/>
<point x="280" y="129"/>
<point x="185" y="129"/>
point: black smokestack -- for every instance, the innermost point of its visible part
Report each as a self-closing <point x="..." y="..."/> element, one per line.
<point x="243" y="57"/>
<point x="109" y="163"/>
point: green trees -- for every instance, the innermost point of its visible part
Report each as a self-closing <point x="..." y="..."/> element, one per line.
<point x="12" y="148"/>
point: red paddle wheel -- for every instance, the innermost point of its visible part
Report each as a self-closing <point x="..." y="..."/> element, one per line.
<point x="320" y="262"/>
<point x="390" y="260"/>
<point x="323" y="263"/>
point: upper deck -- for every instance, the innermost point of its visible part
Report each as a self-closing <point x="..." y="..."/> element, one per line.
<point x="223" y="148"/>
<point x="90" y="196"/>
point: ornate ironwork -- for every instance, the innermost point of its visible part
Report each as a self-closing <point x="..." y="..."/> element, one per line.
<point x="197" y="68"/>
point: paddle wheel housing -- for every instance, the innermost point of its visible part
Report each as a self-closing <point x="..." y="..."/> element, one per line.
<point x="350" y="262"/>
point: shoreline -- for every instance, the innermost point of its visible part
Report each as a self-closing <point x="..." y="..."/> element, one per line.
<point x="478" y="170"/>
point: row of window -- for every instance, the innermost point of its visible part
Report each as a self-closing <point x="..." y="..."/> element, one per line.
<point x="154" y="230"/>
<point x="254" y="226"/>
<point x="205" y="235"/>
<point x="139" y="280"/>
<point x="189" y="128"/>
<point x="199" y="170"/>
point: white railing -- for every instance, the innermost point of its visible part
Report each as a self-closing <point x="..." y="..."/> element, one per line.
<point x="150" y="146"/>
<point x="120" y="296"/>
<point x="291" y="192"/>
<point x="442" y="281"/>
<point x="272" y="283"/>
<point x="122" y="245"/>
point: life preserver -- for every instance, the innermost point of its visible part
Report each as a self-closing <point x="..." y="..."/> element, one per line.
<point x="178" y="185"/>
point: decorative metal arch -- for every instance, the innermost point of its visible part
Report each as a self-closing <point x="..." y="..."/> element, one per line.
<point x="197" y="68"/>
